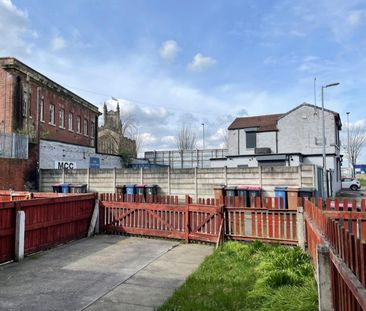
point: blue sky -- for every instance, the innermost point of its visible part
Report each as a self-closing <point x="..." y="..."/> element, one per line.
<point x="198" y="61"/>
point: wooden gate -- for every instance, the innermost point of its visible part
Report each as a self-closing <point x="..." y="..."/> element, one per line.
<point x="187" y="221"/>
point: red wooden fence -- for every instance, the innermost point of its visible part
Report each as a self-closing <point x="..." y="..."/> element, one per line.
<point x="206" y="220"/>
<point x="7" y="231"/>
<point x="341" y="225"/>
<point x="48" y="222"/>
<point x="189" y="221"/>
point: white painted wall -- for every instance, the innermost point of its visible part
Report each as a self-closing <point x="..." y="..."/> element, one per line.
<point x="267" y="140"/>
<point x="51" y="151"/>
<point x="301" y="131"/>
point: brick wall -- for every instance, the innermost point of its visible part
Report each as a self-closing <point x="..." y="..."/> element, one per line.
<point x="19" y="174"/>
<point x="39" y="87"/>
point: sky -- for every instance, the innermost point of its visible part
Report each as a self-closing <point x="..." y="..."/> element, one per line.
<point x="206" y="61"/>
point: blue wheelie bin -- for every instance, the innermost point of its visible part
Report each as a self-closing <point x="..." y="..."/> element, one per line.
<point x="130" y="192"/>
<point x="65" y="188"/>
<point x="281" y="192"/>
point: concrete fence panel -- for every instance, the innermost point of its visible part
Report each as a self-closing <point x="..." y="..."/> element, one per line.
<point x="196" y="182"/>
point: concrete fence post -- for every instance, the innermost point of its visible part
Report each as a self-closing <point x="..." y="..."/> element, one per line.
<point x="169" y="189"/>
<point x="94" y="222"/>
<point x="260" y="175"/>
<point x="225" y="175"/>
<point x="114" y="180"/>
<point x="88" y="178"/>
<point x="300" y="175"/>
<point x="300" y="227"/>
<point x="19" y="235"/>
<point x="195" y="184"/>
<point x="323" y="278"/>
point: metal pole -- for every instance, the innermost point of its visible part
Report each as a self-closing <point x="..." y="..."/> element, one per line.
<point x="324" y="154"/>
<point x="203" y="140"/>
<point x="348" y="149"/>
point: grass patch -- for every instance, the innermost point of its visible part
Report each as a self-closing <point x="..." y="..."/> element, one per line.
<point x="363" y="182"/>
<point x="249" y="277"/>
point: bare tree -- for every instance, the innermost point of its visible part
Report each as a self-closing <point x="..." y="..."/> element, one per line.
<point x="135" y="134"/>
<point x="357" y="140"/>
<point x="186" y="138"/>
<point x="129" y="124"/>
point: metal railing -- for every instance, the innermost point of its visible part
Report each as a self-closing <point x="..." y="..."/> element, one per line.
<point x="13" y="146"/>
<point x="185" y="158"/>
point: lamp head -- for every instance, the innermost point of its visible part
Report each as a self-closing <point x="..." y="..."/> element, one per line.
<point x="332" y="84"/>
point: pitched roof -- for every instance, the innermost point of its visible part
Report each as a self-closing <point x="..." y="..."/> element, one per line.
<point x="262" y="123"/>
<point x="336" y="114"/>
<point x="311" y="106"/>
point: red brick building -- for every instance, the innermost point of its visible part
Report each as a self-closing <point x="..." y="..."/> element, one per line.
<point x="33" y="105"/>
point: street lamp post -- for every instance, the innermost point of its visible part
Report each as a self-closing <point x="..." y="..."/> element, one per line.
<point x="203" y="140"/>
<point x="348" y="150"/>
<point x="325" y="184"/>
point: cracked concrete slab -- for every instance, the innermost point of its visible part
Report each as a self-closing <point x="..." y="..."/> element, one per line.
<point x="101" y="273"/>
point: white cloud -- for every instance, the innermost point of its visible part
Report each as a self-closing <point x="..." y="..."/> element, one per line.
<point x="169" y="50"/>
<point x="57" y="43"/>
<point x="355" y="18"/>
<point x="14" y="30"/>
<point x="169" y="140"/>
<point x="201" y="62"/>
<point x="147" y="138"/>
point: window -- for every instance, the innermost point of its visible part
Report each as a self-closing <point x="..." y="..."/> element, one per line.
<point x="92" y="129"/>
<point x="70" y="121"/>
<point x="61" y="119"/>
<point x="251" y="139"/>
<point x="41" y="110"/>
<point x="85" y="127"/>
<point x="52" y="114"/>
<point x="78" y="124"/>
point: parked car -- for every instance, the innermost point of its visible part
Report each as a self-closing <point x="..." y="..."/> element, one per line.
<point x="351" y="183"/>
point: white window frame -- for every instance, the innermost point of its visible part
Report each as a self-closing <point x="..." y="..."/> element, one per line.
<point x="86" y="127"/>
<point x="78" y="124"/>
<point x="61" y="118"/>
<point x="51" y="110"/>
<point x="70" y="121"/>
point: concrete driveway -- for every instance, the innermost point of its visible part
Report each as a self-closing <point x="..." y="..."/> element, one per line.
<point x="101" y="273"/>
